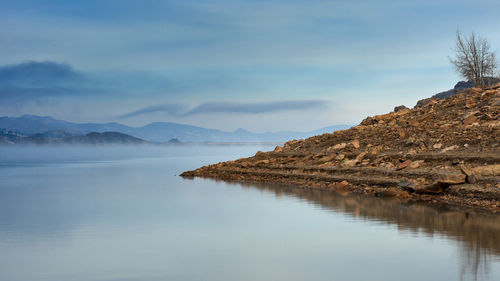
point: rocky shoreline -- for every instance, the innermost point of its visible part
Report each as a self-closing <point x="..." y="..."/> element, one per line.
<point x="442" y="150"/>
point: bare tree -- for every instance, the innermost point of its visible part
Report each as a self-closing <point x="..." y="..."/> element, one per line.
<point x="473" y="59"/>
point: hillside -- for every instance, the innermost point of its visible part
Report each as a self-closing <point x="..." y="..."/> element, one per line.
<point x="9" y="137"/>
<point x="104" y="138"/>
<point x="464" y="85"/>
<point x="444" y="150"/>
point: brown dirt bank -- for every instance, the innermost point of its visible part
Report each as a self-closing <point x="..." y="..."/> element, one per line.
<point x="440" y="151"/>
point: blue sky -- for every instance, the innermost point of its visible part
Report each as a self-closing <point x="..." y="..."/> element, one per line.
<point x="261" y="65"/>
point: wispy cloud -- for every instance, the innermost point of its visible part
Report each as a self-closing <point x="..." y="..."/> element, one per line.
<point x="255" y="108"/>
<point x="172" y="109"/>
<point x="229" y="107"/>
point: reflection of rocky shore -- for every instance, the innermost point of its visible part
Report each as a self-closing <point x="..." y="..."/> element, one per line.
<point x="476" y="230"/>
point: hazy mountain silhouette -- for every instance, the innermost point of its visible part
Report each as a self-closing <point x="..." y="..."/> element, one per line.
<point x="10" y="137"/>
<point x="30" y="125"/>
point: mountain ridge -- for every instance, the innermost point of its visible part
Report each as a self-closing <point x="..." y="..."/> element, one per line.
<point x="30" y="125"/>
<point x="58" y="137"/>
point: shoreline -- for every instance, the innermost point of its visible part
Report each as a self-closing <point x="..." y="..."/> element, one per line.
<point x="460" y="197"/>
<point x="442" y="150"/>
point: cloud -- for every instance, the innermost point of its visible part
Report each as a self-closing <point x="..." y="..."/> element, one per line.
<point x="229" y="107"/>
<point x="29" y="80"/>
<point x="254" y="108"/>
<point x="172" y="109"/>
<point x="37" y="74"/>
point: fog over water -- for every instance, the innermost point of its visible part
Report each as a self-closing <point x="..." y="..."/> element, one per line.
<point x="123" y="213"/>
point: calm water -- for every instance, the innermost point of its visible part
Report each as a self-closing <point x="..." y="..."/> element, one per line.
<point x="124" y="214"/>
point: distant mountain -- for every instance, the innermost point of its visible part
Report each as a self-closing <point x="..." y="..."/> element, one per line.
<point x="104" y="138"/>
<point x="174" y="141"/>
<point x="31" y="125"/>
<point x="164" y="131"/>
<point x="10" y="137"/>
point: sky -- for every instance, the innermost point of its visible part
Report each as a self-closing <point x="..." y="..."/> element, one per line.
<point x="226" y="64"/>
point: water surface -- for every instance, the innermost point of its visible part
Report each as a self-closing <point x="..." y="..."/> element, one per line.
<point x="114" y="213"/>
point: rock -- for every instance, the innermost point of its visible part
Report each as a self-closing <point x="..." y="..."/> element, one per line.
<point x="360" y="157"/>
<point x="350" y="163"/>
<point x="489" y="170"/>
<point x="426" y="102"/>
<point x="412" y="152"/>
<point x="377" y="161"/>
<point x="413" y="123"/>
<point x="400" y="108"/>
<point x="437" y="146"/>
<point x="449" y="148"/>
<point x="355" y="143"/>
<point x="308" y="157"/>
<point x="326" y="164"/>
<point x="278" y="149"/>
<point x="422" y="146"/>
<point x="327" y="158"/>
<point x="407" y="185"/>
<point x="410" y="141"/>
<point x="339" y="146"/>
<point x="369" y="121"/>
<point x="265" y="161"/>
<point x="475" y="89"/>
<point x="403" y="165"/>
<point x="376" y="150"/>
<point x="401" y="134"/>
<point x="469" y="104"/>
<point x="470" y="176"/>
<point x="470" y="119"/>
<point x="290" y="143"/>
<point x="340" y="157"/>
<point x="259" y="153"/>
<point x="416" y="164"/>
<point x="387" y="165"/>
<point x="342" y="184"/>
<point x="452" y="179"/>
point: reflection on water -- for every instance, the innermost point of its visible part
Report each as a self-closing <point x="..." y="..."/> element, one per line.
<point x="124" y="214"/>
<point x="477" y="231"/>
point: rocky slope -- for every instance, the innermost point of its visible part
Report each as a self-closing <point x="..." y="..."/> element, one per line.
<point x="464" y="85"/>
<point x="445" y="150"/>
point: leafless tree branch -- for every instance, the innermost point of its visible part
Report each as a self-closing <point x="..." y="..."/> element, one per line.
<point x="474" y="59"/>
